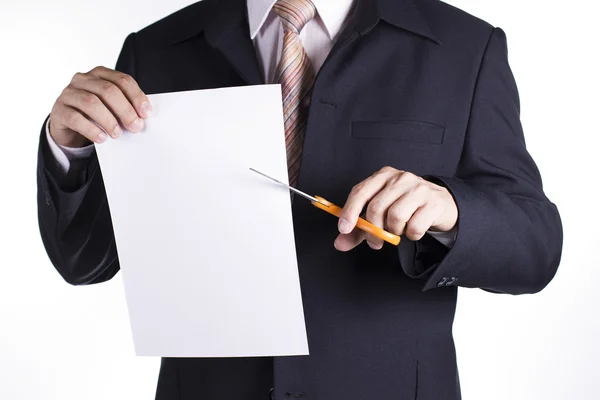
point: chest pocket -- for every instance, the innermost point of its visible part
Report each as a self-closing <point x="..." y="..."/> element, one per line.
<point x="414" y="146"/>
<point x="411" y="131"/>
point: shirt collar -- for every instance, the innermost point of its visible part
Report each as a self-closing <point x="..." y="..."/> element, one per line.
<point x="333" y="13"/>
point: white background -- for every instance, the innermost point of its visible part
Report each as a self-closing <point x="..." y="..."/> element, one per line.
<point x="63" y="342"/>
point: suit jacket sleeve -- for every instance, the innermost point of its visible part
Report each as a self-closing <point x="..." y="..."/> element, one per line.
<point x="73" y="214"/>
<point x="509" y="234"/>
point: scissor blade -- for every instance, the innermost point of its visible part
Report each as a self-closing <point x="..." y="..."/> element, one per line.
<point x="301" y="193"/>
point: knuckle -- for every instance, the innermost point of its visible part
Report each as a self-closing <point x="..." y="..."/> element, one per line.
<point x="387" y="169"/>
<point x="77" y="77"/>
<point x="406" y="178"/>
<point x="421" y="189"/>
<point x="395" y="219"/>
<point x="89" y="99"/>
<point x="375" y="207"/>
<point x="71" y="118"/>
<point x="125" y="80"/>
<point x="108" y="88"/>
<point x="402" y="178"/>
<point x="409" y="176"/>
<point x="98" y="68"/>
<point x="356" y="189"/>
<point x="414" y="231"/>
<point x="397" y="229"/>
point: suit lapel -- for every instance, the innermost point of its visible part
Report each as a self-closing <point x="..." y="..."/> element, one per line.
<point x="228" y="32"/>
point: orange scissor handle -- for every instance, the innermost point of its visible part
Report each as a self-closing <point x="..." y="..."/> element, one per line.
<point x="362" y="224"/>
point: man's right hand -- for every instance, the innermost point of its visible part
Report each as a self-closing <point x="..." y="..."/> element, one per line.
<point x="110" y="98"/>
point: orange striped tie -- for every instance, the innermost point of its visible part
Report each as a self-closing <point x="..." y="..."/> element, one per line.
<point x="296" y="76"/>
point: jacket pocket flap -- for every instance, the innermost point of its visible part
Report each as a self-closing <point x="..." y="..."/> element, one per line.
<point x="413" y="131"/>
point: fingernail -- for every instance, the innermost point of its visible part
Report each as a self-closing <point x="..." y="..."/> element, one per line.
<point x="344" y="226"/>
<point x="146" y="109"/>
<point x="118" y="132"/>
<point x="137" y="125"/>
<point x="374" y="246"/>
<point x="101" y="138"/>
<point x="335" y="242"/>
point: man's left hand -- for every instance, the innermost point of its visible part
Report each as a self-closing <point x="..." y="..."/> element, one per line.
<point x="398" y="201"/>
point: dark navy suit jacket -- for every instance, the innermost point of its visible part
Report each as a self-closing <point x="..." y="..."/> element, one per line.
<point x="413" y="84"/>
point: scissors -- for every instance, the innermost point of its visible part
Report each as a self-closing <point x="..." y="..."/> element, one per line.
<point x="331" y="208"/>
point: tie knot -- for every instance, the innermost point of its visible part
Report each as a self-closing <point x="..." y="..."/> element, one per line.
<point x="295" y="14"/>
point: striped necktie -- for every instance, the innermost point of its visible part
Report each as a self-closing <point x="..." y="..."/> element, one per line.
<point x="295" y="74"/>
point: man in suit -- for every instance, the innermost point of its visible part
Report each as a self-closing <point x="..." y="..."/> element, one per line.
<point x="407" y="108"/>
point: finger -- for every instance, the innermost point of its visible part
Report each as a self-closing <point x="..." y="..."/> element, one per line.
<point x="378" y="208"/>
<point x="403" y="209"/>
<point x="378" y="220"/>
<point x="359" y="196"/>
<point x="422" y="220"/>
<point x="130" y="88"/>
<point x="72" y="119"/>
<point x="346" y="242"/>
<point x="114" y="99"/>
<point x="92" y="106"/>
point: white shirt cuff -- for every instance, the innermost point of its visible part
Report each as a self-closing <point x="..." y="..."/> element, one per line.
<point x="445" y="238"/>
<point x="64" y="154"/>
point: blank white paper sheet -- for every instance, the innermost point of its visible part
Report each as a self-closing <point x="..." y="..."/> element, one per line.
<point x="206" y="246"/>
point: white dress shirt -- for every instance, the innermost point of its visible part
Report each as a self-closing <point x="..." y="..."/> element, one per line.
<point x="266" y="32"/>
